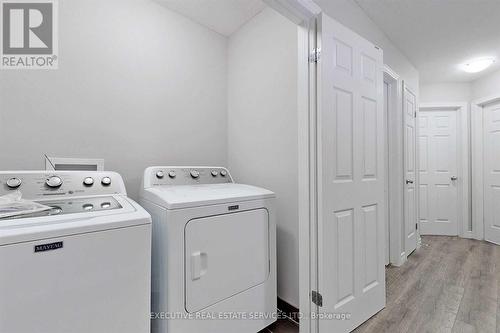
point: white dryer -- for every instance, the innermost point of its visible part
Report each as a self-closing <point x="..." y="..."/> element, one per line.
<point x="214" y="251"/>
<point x="81" y="267"/>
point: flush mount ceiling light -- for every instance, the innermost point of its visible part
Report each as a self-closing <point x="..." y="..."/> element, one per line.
<point x="477" y="65"/>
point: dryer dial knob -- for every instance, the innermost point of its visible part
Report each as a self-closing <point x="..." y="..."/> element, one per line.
<point x="171" y="174"/>
<point x="54" y="182"/>
<point x="14" y="182"/>
<point x="195" y="174"/>
<point x="160" y="174"/>
<point x="88" y="181"/>
<point x="223" y="173"/>
<point x="215" y="173"/>
<point x="106" y="181"/>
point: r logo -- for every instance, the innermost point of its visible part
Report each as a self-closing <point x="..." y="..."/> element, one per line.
<point x="29" y="30"/>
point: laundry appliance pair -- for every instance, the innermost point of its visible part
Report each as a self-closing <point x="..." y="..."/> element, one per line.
<point x="85" y="264"/>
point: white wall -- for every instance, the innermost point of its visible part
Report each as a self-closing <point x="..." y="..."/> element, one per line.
<point x="456" y="92"/>
<point x="486" y="86"/>
<point x="262" y="126"/>
<point x="445" y="92"/>
<point x="137" y="85"/>
<point x="352" y="16"/>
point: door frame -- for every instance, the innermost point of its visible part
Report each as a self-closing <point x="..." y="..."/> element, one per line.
<point x="463" y="163"/>
<point x="305" y="14"/>
<point x="477" y="137"/>
<point x="308" y="184"/>
<point x="395" y="168"/>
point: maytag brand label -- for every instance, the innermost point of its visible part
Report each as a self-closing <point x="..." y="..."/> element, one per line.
<point x="235" y="207"/>
<point x="48" y="247"/>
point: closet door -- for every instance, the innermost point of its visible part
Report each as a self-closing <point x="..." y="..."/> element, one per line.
<point x="351" y="178"/>
<point x="438" y="172"/>
<point x="491" y="123"/>
<point x="410" y="169"/>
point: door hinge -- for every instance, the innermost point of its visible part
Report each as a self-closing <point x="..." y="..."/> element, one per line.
<point x="416" y="226"/>
<point x="415" y="114"/>
<point x="317" y="298"/>
<point x="315" y="55"/>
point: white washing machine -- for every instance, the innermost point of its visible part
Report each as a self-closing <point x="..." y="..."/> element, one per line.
<point x="81" y="267"/>
<point x="214" y="251"/>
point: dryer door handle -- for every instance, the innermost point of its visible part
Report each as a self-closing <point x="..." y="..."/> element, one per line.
<point x="199" y="265"/>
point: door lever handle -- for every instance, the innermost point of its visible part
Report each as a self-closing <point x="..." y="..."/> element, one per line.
<point x="409" y="181"/>
<point x="454" y="178"/>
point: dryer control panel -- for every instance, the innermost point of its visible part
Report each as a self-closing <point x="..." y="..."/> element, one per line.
<point x="175" y="175"/>
<point x="38" y="185"/>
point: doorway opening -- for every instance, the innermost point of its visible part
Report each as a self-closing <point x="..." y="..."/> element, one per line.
<point x="394" y="253"/>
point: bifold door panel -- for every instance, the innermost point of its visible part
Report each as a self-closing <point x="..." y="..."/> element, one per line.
<point x="351" y="178"/>
<point x="438" y="173"/>
<point x="225" y="255"/>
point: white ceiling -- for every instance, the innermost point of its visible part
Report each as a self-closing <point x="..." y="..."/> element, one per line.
<point x="222" y="16"/>
<point x="438" y="35"/>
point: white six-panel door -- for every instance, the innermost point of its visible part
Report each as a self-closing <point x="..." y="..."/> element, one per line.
<point x="351" y="178"/>
<point x="410" y="170"/>
<point x="491" y="127"/>
<point x="438" y="167"/>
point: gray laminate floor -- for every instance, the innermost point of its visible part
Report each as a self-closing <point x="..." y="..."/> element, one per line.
<point x="448" y="285"/>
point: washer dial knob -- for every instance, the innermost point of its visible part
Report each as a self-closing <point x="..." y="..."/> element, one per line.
<point x="160" y="174"/>
<point x="214" y="173"/>
<point x="88" y="181"/>
<point x="88" y="206"/>
<point x="223" y="173"/>
<point x="171" y="174"/>
<point x="54" y="181"/>
<point x="14" y="182"/>
<point x="195" y="174"/>
<point x="106" y="181"/>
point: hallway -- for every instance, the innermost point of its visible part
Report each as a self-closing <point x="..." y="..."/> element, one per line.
<point x="448" y="285"/>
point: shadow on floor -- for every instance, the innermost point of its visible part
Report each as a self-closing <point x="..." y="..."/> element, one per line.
<point x="282" y="326"/>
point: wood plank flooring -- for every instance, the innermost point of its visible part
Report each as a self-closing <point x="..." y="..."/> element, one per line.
<point x="448" y="285"/>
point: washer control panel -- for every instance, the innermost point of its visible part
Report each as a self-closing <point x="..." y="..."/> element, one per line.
<point x="45" y="184"/>
<point x="172" y="175"/>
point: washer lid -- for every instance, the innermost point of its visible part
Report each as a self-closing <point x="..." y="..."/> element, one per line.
<point x="77" y="220"/>
<point x="67" y="206"/>
<point x="186" y="196"/>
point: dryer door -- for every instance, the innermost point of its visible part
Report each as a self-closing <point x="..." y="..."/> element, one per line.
<point x="225" y="255"/>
